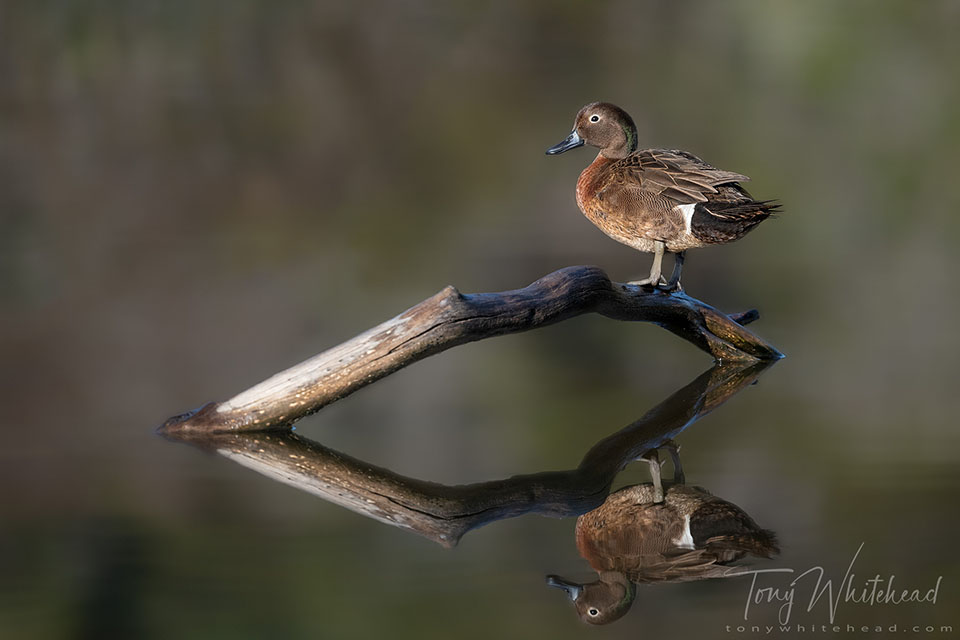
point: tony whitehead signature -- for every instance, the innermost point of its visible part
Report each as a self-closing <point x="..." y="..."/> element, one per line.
<point x="877" y="590"/>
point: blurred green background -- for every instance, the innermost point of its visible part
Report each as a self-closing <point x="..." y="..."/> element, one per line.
<point x="194" y="195"/>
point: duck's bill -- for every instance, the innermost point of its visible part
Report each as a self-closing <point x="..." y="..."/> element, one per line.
<point x="573" y="589"/>
<point x="572" y="141"/>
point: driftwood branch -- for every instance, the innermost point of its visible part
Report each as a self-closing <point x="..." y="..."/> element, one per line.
<point x="445" y="513"/>
<point x="450" y="318"/>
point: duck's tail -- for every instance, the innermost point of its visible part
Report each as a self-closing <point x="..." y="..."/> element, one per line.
<point x="721" y="525"/>
<point x="721" y="222"/>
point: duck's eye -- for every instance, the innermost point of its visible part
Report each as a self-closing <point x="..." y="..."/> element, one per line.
<point x="593" y="612"/>
<point x="594" y="118"/>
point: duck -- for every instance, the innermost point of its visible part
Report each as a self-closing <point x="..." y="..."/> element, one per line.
<point x="641" y="534"/>
<point x="657" y="200"/>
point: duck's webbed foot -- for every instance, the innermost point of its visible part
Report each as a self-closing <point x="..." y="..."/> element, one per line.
<point x="655" y="268"/>
<point x="648" y="282"/>
<point x="678" y="476"/>
<point x="652" y="458"/>
<point x="674" y="283"/>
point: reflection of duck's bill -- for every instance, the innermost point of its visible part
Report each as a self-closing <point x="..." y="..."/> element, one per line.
<point x="573" y="589"/>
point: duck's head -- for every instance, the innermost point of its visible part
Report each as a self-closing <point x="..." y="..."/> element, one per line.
<point x="602" y="125"/>
<point x="601" y="601"/>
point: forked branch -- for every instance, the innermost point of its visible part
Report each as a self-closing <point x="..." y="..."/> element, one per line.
<point x="450" y="318"/>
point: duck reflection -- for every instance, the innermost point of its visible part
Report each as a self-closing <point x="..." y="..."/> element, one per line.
<point x="642" y="534"/>
<point x="445" y="513"/>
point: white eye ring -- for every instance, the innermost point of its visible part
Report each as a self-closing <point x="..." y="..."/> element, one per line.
<point x="594" y="118"/>
<point x="593" y="612"/>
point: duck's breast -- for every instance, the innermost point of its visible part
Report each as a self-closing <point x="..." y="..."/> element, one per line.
<point x="629" y="214"/>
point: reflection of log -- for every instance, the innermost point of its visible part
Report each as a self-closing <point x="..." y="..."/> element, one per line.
<point x="445" y="513"/>
<point x="450" y="318"/>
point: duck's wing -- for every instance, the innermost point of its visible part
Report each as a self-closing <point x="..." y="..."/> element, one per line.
<point x="676" y="175"/>
<point x="724" y="528"/>
<point x="620" y="535"/>
<point x="681" y="566"/>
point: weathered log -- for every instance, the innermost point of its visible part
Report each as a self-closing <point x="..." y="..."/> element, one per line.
<point x="445" y="513"/>
<point x="450" y="318"/>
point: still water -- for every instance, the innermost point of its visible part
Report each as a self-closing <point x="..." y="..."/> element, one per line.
<point x="629" y="546"/>
<point x="283" y="534"/>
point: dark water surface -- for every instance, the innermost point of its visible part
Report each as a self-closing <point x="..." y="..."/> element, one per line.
<point x="193" y="197"/>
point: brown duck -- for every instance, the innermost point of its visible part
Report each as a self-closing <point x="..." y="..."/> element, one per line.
<point x="641" y="535"/>
<point x="656" y="200"/>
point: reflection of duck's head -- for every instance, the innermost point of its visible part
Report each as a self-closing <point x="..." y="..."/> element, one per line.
<point x="601" y="601"/>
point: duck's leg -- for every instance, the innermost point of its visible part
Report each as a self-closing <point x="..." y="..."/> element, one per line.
<point x="674" y="283"/>
<point x="653" y="459"/>
<point x="674" y="449"/>
<point x="655" y="269"/>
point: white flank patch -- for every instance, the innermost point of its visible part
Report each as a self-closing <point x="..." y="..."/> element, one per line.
<point x="686" y="210"/>
<point x="685" y="540"/>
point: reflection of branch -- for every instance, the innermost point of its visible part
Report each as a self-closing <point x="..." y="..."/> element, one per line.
<point x="445" y="513"/>
<point x="450" y="318"/>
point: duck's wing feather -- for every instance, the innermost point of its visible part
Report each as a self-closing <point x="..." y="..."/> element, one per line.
<point x="722" y="526"/>
<point x="681" y="566"/>
<point x="622" y="533"/>
<point x="677" y="175"/>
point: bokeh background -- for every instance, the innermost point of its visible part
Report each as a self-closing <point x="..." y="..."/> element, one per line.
<point x="196" y="195"/>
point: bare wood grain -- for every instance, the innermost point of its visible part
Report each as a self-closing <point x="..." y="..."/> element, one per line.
<point x="450" y="318"/>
